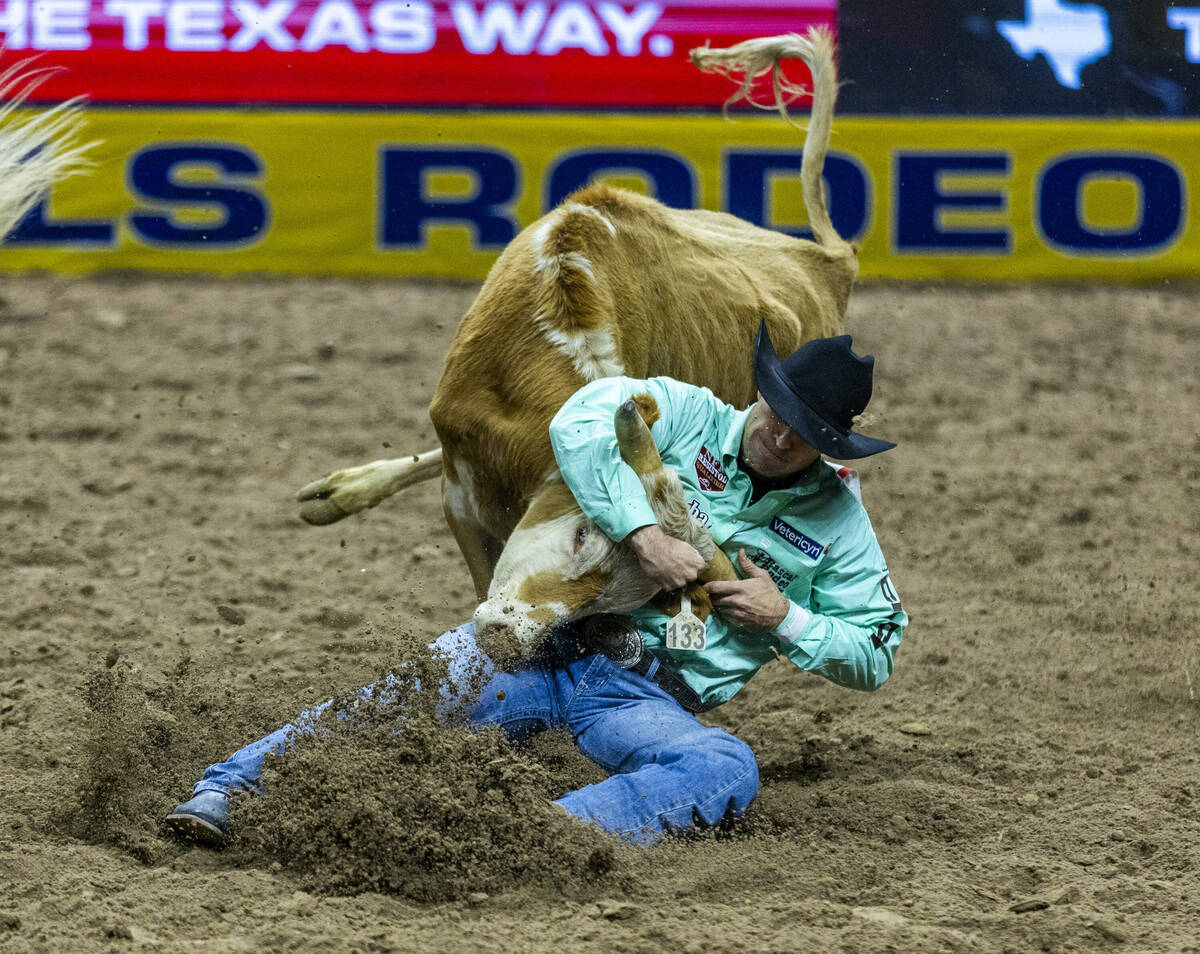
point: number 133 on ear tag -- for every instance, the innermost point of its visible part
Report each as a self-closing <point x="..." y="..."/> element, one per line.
<point x="685" y="630"/>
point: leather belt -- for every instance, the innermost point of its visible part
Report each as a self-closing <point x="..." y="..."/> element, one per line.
<point x="571" y="645"/>
<point x="668" y="681"/>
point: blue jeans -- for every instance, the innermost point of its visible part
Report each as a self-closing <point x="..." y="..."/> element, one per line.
<point x="667" y="770"/>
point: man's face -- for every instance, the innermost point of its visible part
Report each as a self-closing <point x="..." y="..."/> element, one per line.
<point x="770" y="447"/>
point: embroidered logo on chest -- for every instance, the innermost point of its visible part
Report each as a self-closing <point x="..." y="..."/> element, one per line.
<point x="709" y="472"/>
<point x="806" y="545"/>
<point x="779" y="576"/>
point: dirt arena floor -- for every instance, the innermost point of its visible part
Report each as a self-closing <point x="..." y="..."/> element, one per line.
<point x="1029" y="780"/>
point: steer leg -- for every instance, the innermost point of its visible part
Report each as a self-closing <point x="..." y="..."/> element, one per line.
<point x="352" y="489"/>
<point x="479" y="548"/>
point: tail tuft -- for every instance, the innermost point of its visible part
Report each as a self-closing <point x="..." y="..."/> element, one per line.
<point x="763" y="57"/>
<point x="36" y="151"/>
<point x="745" y="63"/>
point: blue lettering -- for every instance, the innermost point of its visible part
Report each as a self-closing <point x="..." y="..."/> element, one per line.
<point x="35" y="229"/>
<point x="408" y="208"/>
<point x="1060" y="193"/>
<point x="241" y="212"/>
<point x="805" y="544"/>
<point x="920" y="198"/>
<point x="672" y="181"/>
<point x="748" y="175"/>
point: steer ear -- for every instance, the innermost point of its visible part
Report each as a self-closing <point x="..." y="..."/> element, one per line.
<point x="670" y="603"/>
<point x="719" y="568"/>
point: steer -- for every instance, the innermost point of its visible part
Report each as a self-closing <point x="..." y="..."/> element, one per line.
<point x="608" y="283"/>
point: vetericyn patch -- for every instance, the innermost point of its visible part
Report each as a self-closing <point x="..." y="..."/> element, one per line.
<point x="806" y="545"/>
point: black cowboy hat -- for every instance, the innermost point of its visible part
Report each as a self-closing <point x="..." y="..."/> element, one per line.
<point x="817" y="391"/>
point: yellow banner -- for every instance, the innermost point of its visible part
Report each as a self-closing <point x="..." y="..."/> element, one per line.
<point x="439" y="193"/>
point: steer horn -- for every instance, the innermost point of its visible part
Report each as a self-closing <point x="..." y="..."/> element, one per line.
<point x="632" y="422"/>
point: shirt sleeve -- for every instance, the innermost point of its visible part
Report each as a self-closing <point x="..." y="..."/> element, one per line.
<point x="850" y="632"/>
<point x="584" y="440"/>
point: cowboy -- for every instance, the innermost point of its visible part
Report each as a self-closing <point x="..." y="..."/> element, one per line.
<point x="816" y="591"/>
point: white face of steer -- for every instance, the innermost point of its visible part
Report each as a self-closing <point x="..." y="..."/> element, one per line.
<point x="558" y="566"/>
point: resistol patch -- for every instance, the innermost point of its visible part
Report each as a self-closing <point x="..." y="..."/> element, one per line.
<point x="709" y="472"/>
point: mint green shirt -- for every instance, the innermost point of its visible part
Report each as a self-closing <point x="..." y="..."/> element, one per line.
<point x="813" y="538"/>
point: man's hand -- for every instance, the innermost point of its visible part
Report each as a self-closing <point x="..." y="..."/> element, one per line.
<point x="668" y="562"/>
<point x="754" y="603"/>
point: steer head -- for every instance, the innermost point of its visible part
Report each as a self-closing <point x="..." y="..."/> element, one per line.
<point x="559" y="566"/>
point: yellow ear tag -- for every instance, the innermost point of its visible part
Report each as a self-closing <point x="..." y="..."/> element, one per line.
<point x="685" y="630"/>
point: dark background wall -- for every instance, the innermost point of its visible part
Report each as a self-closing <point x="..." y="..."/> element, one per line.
<point x="926" y="57"/>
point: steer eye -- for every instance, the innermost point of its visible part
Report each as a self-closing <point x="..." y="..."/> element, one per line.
<point x="580" y="536"/>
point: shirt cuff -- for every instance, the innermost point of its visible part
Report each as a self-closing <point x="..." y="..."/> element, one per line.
<point x="793" y="624"/>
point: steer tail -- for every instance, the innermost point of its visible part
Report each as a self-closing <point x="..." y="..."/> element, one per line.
<point x="755" y="58"/>
<point x="36" y="151"/>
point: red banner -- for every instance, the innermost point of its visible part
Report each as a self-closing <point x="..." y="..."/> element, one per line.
<point x="558" y="53"/>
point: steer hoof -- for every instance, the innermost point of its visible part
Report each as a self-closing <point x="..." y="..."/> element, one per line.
<point x="317" y="505"/>
<point x="321" y="512"/>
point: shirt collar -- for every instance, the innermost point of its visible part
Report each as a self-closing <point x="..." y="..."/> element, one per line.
<point x="732" y="442"/>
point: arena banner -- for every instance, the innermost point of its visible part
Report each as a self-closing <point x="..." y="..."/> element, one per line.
<point x="490" y="53"/>
<point x="440" y="193"/>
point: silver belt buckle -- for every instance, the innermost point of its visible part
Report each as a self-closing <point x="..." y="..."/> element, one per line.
<point x="615" y="637"/>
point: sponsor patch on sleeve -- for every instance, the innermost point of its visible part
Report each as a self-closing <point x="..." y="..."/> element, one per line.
<point x="890" y="594"/>
<point x="806" y="545"/>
